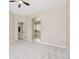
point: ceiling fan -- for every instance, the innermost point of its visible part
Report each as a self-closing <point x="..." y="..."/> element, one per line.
<point x="20" y="2"/>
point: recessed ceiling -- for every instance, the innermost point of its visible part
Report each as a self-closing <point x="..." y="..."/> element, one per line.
<point x="35" y="6"/>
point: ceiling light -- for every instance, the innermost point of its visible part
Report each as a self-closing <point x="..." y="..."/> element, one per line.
<point x="20" y="1"/>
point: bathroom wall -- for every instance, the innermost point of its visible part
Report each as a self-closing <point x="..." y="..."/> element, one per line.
<point x="54" y="27"/>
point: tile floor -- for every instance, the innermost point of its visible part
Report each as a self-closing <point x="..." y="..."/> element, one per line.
<point x="32" y="50"/>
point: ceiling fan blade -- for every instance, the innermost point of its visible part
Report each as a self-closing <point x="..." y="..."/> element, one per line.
<point x="25" y="3"/>
<point x="12" y="1"/>
<point x="19" y="5"/>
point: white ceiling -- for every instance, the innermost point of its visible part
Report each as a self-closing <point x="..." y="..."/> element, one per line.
<point x="36" y="6"/>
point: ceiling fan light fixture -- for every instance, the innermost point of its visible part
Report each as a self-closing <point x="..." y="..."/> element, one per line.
<point x="20" y="2"/>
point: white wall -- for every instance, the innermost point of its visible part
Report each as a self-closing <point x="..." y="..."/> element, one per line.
<point x="11" y="26"/>
<point x="53" y="27"/>
<point x="68" y="26"/>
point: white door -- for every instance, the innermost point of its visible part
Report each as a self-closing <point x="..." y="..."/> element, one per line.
<point x="20" y="30"/>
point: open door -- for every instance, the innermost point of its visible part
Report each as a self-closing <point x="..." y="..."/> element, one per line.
<point x="20" y="30"/>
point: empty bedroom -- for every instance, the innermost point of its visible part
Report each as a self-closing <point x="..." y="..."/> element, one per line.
<point x="39" y="29"/>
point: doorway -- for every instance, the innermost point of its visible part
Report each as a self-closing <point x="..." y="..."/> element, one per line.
<point x="20" y="30"/>
<point x="36" y="29"/>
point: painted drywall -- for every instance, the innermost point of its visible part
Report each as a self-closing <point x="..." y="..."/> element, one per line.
<point x="11" y="26"/>
<point x="68" y="27"/>
<point x="53" y="26"/>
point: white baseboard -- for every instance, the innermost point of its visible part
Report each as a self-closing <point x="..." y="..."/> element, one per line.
<point x="45" y="44"/>
<point x="52" y="45"/>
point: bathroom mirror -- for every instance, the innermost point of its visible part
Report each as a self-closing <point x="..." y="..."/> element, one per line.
<point x="36" y="29"/>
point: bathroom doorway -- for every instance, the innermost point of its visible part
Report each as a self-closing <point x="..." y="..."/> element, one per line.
<point x="20" y="30"/>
